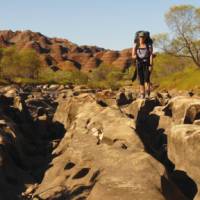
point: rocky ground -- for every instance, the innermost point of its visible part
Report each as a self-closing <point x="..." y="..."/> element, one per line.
<point x="73" y="142"/>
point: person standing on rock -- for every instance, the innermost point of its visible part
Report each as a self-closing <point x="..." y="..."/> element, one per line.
<point x="142" y="52"/>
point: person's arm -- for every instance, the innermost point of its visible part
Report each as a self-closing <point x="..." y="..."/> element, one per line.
<point x="134" y="51"/>
<point x="151" y="59"/>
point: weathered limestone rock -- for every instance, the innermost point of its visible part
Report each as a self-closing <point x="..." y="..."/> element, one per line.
<point x="139" y="107"/>
<point x="110" y="161"/>
<point x="184" y="150"/>
<point x="183" y="109"/>
<point x="74" y="142"/>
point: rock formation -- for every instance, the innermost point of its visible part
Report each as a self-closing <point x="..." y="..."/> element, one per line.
<point x="63" y="54"/>
<point x="73" y="142"/>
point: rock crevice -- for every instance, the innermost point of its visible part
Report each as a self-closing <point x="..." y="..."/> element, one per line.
<point x="72" y="142"/>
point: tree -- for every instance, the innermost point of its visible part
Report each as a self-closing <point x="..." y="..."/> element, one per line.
<point x="16" y="63"/>
<point x="29" y="63"/>
<point x="184" y="23"/>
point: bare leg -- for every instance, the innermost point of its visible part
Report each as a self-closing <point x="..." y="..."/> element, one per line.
<point x="142" y="90"/>
<point x="148" y="88"/>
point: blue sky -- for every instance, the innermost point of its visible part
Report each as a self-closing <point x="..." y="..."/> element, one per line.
<point x="105" y="23"/>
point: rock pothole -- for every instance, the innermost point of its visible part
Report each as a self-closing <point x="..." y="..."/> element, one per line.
<point x="97" y="145"/>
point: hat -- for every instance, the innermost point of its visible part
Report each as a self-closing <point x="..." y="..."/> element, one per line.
<point x="141" y="34"/>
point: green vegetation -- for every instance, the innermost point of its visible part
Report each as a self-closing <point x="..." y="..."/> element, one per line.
<point x="178" y="66"/>
<point x="172" y="72"/>
<point x="15" y="65"/>
<point x="183" y="41"/>
<point x="184" y="80"/>
<point x="105" y="77"/>
<point x="46" y="75"/>
<point x="24" y="67"/>
<point x="167" y="65"/>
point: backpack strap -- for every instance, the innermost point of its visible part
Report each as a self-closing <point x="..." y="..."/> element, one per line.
<point x="148" y="52"/>
<point x="136" y="48"/>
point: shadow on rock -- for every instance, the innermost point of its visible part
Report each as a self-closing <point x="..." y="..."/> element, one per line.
<point x="28" y="146"/>
<point x="176" y="185"/>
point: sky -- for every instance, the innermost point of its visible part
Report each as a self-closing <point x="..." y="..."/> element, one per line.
<point x="105" y="23"/>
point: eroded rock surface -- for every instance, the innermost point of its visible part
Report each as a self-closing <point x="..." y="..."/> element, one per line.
<point x="184" y="150"/>
<point x="73" y="142"/>
<point x="58" y="53"/>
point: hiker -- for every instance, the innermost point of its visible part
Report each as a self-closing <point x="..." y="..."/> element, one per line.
<point x="142" y="52"/>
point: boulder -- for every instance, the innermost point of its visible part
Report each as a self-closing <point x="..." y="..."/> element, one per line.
<point x="183" y="109"/>
<point x="139" y="108"/>
<point x="184" y="150"/>
<point x="163" y="122"/>
<point x="163" y="97"/>
<point x="192" y="113"/>
<point x="105" y="133"/>
<point x="106" y="98"/>
<point x="123" y="98"/>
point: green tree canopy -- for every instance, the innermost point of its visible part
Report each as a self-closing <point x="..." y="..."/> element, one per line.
<point x="19" y="64"/>
<point x="184" y="40"/>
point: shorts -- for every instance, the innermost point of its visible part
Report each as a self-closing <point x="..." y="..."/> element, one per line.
<point x="143" y="72"/>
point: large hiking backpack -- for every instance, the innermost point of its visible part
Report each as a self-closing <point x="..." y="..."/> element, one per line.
<point x="148" y="40"/>
<point x="149" y="43"/>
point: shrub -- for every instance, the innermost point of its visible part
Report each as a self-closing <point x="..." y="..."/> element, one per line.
<point x="186" y="79"/>
<point x="46" y="75"/>
<point x="78" y="77"/>
<point x="165" y="65"/>
<point x="105" y="76"/>
<point x="100" y="73"/>
<point x="129" y="73"/>
<point x="19" y="64"/>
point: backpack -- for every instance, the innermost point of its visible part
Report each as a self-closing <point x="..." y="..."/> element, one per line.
<point x="149" y="41"/>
